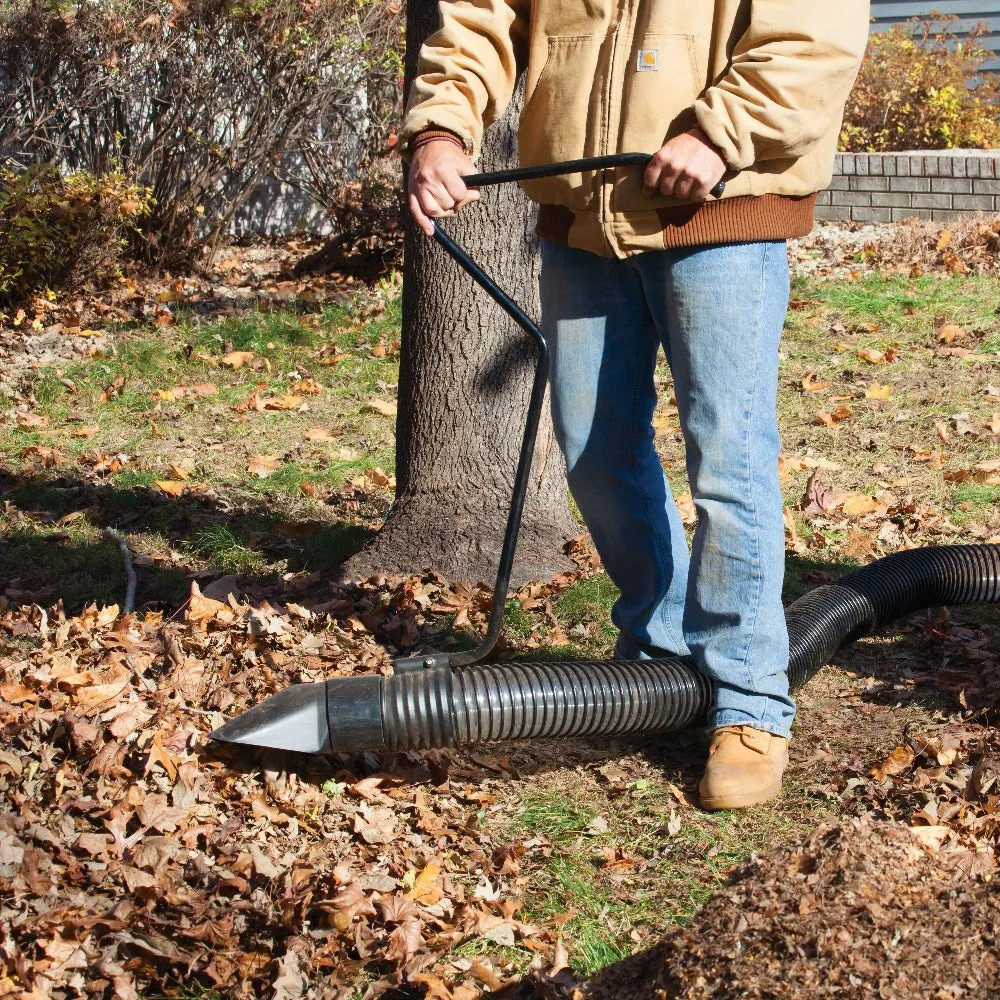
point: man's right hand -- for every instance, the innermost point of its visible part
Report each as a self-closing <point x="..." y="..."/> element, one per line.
<point x="435" y="184"/>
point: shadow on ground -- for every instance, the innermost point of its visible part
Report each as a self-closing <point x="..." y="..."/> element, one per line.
<point x="49" y="551"/>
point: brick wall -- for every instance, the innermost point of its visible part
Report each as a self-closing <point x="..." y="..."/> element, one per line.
<point x="889" y="187"/>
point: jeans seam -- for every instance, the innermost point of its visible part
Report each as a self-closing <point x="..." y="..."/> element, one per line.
<point x="666" y="557"/>
<point x="752" y="631"/>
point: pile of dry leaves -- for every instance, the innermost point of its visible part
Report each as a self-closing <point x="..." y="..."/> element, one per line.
<point x="136" y="855"/>
<point x="860" y="909"/>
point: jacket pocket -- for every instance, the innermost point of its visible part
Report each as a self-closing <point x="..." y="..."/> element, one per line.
<point x="661" y="83"/>
<point x="561" y="118"/>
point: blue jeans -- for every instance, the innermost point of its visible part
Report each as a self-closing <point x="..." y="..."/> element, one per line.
<point x="718" y="312"/>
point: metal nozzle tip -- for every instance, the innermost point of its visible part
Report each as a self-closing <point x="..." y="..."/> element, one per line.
<point x="293" y="719"/>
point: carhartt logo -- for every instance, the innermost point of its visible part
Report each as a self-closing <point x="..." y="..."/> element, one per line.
<point x="648" y="61"/>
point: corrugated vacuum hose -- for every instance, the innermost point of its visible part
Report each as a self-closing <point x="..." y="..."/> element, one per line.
<point x="443" y="706"/>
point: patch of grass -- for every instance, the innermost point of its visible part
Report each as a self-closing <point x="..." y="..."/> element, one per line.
<point x="972" y="501"/>
<point x="224" y="550"/>
<point x="593" y="596"/>
<point x="588" y="603"/>
<point x="553" y="815"/>
<point x="516" y="619"/>
<point x="74" y="563"/>
<point x="262" y="333"/>
<point x="331" y="545"/>
<point x="621" y="867"/>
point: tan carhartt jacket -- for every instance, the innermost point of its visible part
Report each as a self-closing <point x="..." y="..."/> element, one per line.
<point x="766" y="80"/>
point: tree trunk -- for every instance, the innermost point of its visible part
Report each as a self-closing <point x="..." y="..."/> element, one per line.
<point x="465" y="376"/>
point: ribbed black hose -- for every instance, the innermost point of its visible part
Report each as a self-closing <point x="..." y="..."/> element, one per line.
<point x="511" y="701"/>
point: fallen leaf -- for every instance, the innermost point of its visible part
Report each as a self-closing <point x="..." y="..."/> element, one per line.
<point x="809" y="384"/>
<point x="950" y="332"/>
<point x="875" y="357"/>
<point x="877" y="391"/>
<point x="858" y="504"/>
<point x="263" y="466"/>
<point x="236" y="359"/>
<point x="425" y="888"/>
<point x="318" y="434"/>
<point x="288" y="402"/>
<point x="172" y="487"/>
<point x="896" y="763"/>
<point x="386" y="407"/>
<point x="29" y="421"/>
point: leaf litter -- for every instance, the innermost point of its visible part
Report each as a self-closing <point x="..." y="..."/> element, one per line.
<point x="134" y="853"/>
<point x="135" y="856"/>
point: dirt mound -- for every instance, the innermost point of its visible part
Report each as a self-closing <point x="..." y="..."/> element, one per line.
<point x="860" y="909"/>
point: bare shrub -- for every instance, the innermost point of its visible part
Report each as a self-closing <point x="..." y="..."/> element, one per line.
<point x="199" y="101"/>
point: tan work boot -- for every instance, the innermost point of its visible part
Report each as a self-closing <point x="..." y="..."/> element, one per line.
<point x="744" y="768"/>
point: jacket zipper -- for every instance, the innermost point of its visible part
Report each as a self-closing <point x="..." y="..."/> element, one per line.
<point x="606" y="138"/>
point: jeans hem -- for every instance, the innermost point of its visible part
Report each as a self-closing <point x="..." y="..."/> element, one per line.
<point x="734" y="717"/>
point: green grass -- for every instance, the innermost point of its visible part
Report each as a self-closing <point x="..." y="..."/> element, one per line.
<point x="224" y="550"/>
<point x="665" y="874"/>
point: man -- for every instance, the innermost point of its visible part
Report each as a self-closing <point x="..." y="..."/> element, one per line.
<point x="749" y="92"/>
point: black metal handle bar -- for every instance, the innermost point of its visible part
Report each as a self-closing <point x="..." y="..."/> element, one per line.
<point x="534" y="411"/>
<point x="568" y="167"/>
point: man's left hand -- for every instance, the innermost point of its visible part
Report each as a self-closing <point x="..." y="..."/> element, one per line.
<point x="687" y="167"/>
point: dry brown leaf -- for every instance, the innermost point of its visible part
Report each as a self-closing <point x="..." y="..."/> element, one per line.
<point x="858" y="504"/>
<point x="318" y="435"/>
<point x="385" y="407"/>
<point x="950" y="332"/>
<point x="203" y="609"/>
<point x="841" y="413"/>
<point x="425" y="887"/>
<point x="809" y="384"/>
<point x="374" y="479"/>
<point x="875" y="357"/>
<point x="159" y="754"/>
<point x="236" y="359"/>
<point x="896" y="763"/>
<point x="288" y="402"/>
<point x="405" y="941"/>
<point x="941" y="429"/>
<point x="877" y="391"/>
<point x="48" y="457"/>
<point x="263" y="466"/>
<point x="29" y="421"/>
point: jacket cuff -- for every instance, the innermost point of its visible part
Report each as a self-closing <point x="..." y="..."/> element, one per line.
<point x="719" y="136"/>
<point x="440" y="122"/>
<point x="434" y="135"/>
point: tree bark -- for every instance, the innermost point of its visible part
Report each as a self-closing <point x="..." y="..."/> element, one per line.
<point x="465" y="376"/>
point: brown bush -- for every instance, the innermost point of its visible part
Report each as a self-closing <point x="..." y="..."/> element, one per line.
<point x="199" y="101"/>
<point x="920" y="88"/>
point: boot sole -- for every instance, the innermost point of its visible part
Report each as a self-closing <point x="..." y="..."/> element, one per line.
<point x="721" y="802"/>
